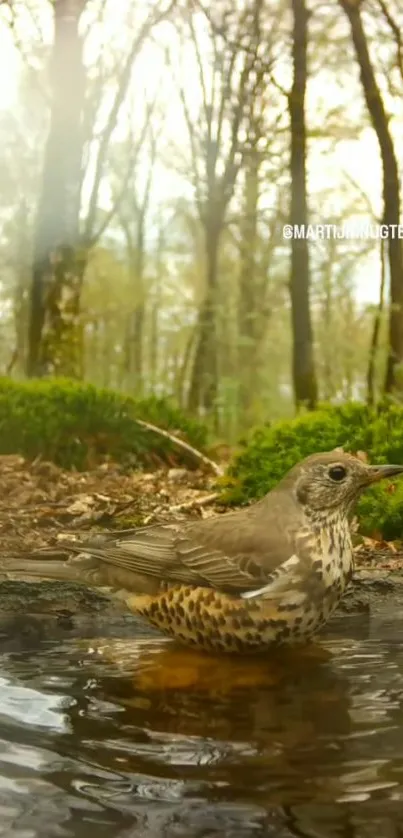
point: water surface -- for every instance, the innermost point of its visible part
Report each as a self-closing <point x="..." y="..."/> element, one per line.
<point x="137" y="737"/>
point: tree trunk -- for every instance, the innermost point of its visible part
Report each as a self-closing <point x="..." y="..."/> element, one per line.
<point x="304" y="377"/>
<point x="391" y="193"/>
<point x="138" y="332"/>
<point x="134" y="360"/>
<point x="180" y="389"/>
<point x="204" y="376"/>
<point x="376" y="331"/>
<point x="154" y="306"/>
<point x="135" y="332"/>
<point x="153" y="343"/>
<point x="22" y="284"/>
<point x="248" y="298"/>
<point x="327" y="322"/>
<point x="218" y="133"/>
<point x="58" y="263"/>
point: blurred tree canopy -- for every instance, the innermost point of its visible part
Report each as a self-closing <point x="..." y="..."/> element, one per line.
<point x="151" y="154"/>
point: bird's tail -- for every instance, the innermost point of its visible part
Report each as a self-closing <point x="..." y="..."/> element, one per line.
<point x="67" y="571"/>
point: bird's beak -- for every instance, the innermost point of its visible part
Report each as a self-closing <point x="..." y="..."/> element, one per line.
<point x="376" y="473"/>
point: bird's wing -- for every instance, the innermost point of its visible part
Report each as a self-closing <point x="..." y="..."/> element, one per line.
<point x="244" y="568"/>
<point x="147" y="551"/>
<point x="228" y="553"/>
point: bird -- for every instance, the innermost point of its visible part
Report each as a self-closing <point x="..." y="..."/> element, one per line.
<point x="269" y="574"/>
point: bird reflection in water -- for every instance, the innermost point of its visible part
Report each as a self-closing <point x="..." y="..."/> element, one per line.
<point x="274" y="734"/>
<point x="178" y="743"/>
<point x="260" y="727"/>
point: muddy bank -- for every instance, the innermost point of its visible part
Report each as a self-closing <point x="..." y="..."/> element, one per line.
<point x="370" y="590"/>
<point x="68" y="604"/>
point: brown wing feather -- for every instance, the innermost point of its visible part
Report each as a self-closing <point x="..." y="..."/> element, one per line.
<point x="241" y="550"/>
<point x="234" y="552"/>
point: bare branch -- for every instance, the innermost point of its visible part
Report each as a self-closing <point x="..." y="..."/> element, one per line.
<point x="113" y="209"/>
<point x="150" y="173"/>
<point x="202" y="79"/>
<point x="19" y="41"/>
<point x="185" y="445"/>
<point x="124" y="82"/>
<point x="196" y="503"/>
<point x="191" y="133"/>
<point x="396" y="33"/>
<point x="132" y="161"/>
<point x="232" y="167"/>
<point x="100" y="17"/>
<point x="236" y="94"/>
<point x="234" y="44"/>
<point x="363" y="195"/>
<point x="225" y="94"/>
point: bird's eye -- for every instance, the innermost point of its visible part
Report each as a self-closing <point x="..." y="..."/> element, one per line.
<point x="337" y="473"/>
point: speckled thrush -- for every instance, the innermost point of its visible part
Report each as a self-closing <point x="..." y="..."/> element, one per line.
<point x="240" y="582"/>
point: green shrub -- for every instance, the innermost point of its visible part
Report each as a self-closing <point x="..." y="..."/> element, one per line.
<point x="77" y="425"/>
<point x="380" y="512"/>
<point x="270" y="451"/>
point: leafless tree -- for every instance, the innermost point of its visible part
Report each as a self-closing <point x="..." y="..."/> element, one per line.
<point x="232" y="71"/>
<point x="391" y="187"/>
<point x="61" y="245"/>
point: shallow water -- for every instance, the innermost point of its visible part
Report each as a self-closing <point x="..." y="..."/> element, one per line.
<point x="138" y="737"/>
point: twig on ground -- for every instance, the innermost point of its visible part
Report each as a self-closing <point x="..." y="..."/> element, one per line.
<point x="218" y="470"/>
<point x="191" y="504"/>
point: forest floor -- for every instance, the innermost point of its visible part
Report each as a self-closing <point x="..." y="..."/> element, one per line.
<point x="41" y="504"/>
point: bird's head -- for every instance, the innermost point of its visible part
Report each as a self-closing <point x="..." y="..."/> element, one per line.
<point x="332" y="481"/>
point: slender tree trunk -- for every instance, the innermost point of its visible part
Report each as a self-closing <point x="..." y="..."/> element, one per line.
<point x="106" y="351"/>
<point x="204" y="376"/>
<point x="348" y="348"/>
<point x="58" y="263"/>
<point x="248" y="298"/>
<point x="138" y="331"/>
<point x="153" y="343"/>
<point x="203" y="381"/>
<point x="140" y="311"/>
<point x="327" y="322"/>
<point x="153" y="354"/>
<point x="22" y="268"/>
<point x="135" y="332"/>
<point x="304" y="376"/>
<point x="137" y="317"/>
<point x="374" y="347"/>
<point x="391" y="193"/>
<point x="180" y="391"/>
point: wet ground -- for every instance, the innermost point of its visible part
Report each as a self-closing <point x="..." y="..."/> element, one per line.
<point x="122" y="733"/>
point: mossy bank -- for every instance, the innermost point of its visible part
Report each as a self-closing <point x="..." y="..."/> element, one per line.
<point x="77" y="425"/>
<point x="271" y="450"/>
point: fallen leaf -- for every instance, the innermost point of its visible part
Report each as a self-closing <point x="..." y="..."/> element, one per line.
<point x="391" y="546"/>
<point x="369" y="542"/>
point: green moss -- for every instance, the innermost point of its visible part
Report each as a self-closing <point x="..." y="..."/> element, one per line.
<point x="270" y="451"/>
<point x="77" y="425"/>
<point x="128" y="522"/>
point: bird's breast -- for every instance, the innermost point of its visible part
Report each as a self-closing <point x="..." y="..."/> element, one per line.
<point x="336" y="554"/>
